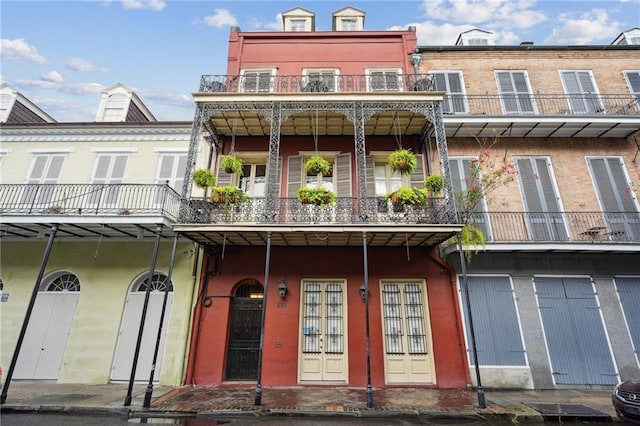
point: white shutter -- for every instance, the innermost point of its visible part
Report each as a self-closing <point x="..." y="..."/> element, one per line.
<point x="224" y="178"/>
<point x="417" y="176"/>
<point x="294" y="175"/>
<point x="343" y="175"/>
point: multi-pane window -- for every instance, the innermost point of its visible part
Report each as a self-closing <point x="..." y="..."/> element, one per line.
<point x="338" y="180"/>
<point x="320" y="80"/>
<point x="384" y="80"/>
<point x="298" y="24"/>
<point x="404" y="318"/>
<point x="257" y="81"/>
<point x="495" y="320"/>
<point x="114" y="108"/>
<point x="541" y="199"/>
<point x="254" y="180"/>
<point x="515" y="92"/>
<point x="44" y="173"/>
<point x="64" y="281"/>
<point x="349" y="24"/>
<point x="450" y="82"/>
<point x="581" y="92"/>
<point x="616" y="196"/>
<point x="5" y="102"/>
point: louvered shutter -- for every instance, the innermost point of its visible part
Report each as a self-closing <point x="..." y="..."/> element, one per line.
<point x="224" y="178"/>
<point x="416" y="178"/>
<point x="294" y="175"/>
<point x="37" y="171"/>
<point x="634" y="82"/>
<point x="342" y="172"/>
<point x="102" y="169"/>
<point x="370" y="176"/>
<point x="514" y="91"/>
<point x="180" y="170"/>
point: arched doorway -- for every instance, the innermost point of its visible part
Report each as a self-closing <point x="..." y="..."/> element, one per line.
<point x="130" y="326"/>
<point x="245" y="322"/>
<point x="46" y="336"/>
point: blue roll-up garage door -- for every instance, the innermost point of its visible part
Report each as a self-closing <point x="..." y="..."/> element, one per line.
<point x="574" y="330"/>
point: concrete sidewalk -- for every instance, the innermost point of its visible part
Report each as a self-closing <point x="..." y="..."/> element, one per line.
<point x="238" y="399"/>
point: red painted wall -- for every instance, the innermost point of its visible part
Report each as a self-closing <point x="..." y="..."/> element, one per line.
<point x="291" y="52"/>
<point x="280" y="357"/>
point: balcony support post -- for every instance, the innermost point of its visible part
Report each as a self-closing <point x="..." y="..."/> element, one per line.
<point x="435" y="116"/>
<point x="258" y="396"/>
<point x="143" y="316"/>
<point x="27" y="317"/>
<point x="273" y="164"/>
<point x="361" y="159"/>
<point x="366" y="318"/>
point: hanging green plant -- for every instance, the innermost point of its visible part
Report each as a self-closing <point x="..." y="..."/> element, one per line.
<point x="473" y="240"/>
<point x="408" y="196"/>
<point x="232" y="164"/>
<point x="434" y="184"/>
<point x="402" y="161"/>
<point x="227" y="195"/>
<point x="203" y="178"/>
<point x="316" y="165"/>
<point x="316" y="196"/>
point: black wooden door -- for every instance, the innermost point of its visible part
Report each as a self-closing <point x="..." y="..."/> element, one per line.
<point x="244" y="339"/>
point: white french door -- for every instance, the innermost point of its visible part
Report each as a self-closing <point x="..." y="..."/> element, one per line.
<point x="323" y="353"/>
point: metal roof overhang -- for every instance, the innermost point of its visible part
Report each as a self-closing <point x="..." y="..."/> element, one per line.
<point x="561" y="126"/>
<point x="314" y="113"/>
<point x="24" y="228"/>
<point x="318" y="235"/>
<point x="499" y="248"/>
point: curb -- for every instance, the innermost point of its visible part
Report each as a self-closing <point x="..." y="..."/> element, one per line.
<point x="62" y="409"/>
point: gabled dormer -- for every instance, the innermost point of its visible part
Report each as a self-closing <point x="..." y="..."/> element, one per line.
<point x="475" y="37"/>
<point x="298" y="19"/>
<point x="629" y="37"/>
<point x="16" y="108"/>
<point x="348" y="19"/>
<point x="119" y="103"/>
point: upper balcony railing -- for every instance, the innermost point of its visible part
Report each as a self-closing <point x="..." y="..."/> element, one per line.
<point x="89" y="200"/>
<point x="528" y="104"/>
<point x="559" y="227"/>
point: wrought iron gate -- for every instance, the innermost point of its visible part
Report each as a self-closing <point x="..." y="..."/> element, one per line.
<point x="244" y="339"/>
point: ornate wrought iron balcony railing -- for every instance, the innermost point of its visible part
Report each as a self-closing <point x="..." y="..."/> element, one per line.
<point x="345" y="211"/>
<point x="560" y="227"/>
<point x="528" y="104"/>
<point x="89" y="199"/>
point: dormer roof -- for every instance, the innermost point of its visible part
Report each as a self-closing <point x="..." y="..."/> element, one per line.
<point x="475" y="37"/>
<point x="16" y="108"/>
<point x="120" y="103"/>
<point x="348" y="19"/>
<point x="298" y="19"/>
<point x="631" y="36"/>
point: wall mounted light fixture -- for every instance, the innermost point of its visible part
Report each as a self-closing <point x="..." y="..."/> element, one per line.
<point x="282" y="288"/>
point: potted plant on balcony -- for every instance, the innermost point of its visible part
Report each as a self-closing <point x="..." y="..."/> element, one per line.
<point x="402" y="161"/>
<point x="433" y="184"/>
<point x="203" y="178"/>
<point x="232" y="164"/>
<point x="316" y="165"/>
<point x="227" y="195"/>
<point x="408" y="196"/>
<point x="316" y="196"/>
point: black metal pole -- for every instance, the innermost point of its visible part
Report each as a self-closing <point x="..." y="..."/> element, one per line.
<point x="25" y="322"/>
<point x="366" y="319"/>
<point x="465" y="285"/>
<point x="149" y="391"/>
<point x="258" y="399"/>
<point x="147" y="291"/>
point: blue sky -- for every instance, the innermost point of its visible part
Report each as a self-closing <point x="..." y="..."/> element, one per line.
<point x="62" y="54"/>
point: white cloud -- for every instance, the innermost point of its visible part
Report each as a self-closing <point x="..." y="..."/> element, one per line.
<point x="76" y="88"/>
<point x="275" y="25"/>
<point x="492" y="13"/>
<point x="431" y="34"/>
<point x="144" y="4"/>
<point x="19" y="49"/>
<point x="79" y="64"/>
<point x="168" y="99"/>
<point x="584" y="29"/>
<point x="221" y="18"/>
<point x="52" y="76"/>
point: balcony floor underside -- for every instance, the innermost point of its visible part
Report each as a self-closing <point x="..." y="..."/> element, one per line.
<point x="318" y="235"/>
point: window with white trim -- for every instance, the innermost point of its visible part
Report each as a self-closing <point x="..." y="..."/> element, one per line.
<point x="298" y="24"/>
<point x="338" y="180"/>
<point x="581" y="91"/>
<point x="460" y="169"/>
<point x="257" y="81"/>
<point x="404" y="318"/>
<point x="348" y="24"/>
<point x="633" y="80"/>
<point x="451" y="83"/>
<point x="515" y="92"/>
<point x="320" y="80"/>
<point x="384" y="79"/>
<point x="5" y="102"/>
<point x="171" y="170"/>
<point x="477" y="41"/>
<point x="44" y="172"/>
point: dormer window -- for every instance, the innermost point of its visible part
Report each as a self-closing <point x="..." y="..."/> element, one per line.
<point x="5" y="102"/>
<point x="298" y="25"/>
<point x="475" y="37"/>
<point x="349" y="24"/>
<point x="298" y="19"/>
<point x="114" y="108"/>
<point x="478" y="42"/>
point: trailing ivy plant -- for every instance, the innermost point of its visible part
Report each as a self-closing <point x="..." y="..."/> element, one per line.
<point x="203" y="178"/>
<point x="316" y="196"/>
<point x="434" y="184"/>
<point x="232" y="164"/>
<point x="408" y="196"/>
<point x="402" y="161"/>
<point x="317" y="165"/>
